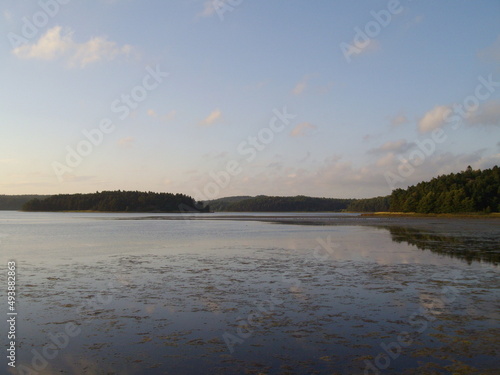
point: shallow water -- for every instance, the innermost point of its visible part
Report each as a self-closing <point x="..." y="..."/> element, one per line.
<point x="235" y="297"/>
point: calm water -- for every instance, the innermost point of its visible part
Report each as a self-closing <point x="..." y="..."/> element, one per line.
<point x="235" y="297"/>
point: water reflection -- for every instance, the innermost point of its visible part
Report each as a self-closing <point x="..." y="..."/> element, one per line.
<point x="483" y="247"/>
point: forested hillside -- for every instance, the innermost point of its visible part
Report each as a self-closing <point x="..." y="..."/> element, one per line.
<point x="116" y="201"/>
<point x="467" y="191"/>
<point x="299" y="203"/>
<point x="376" y="204"/>
<point x="221" y="204"/>
<point x="16" y="202"/>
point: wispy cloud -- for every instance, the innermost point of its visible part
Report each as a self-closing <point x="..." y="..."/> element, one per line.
<point x="301" y="86"/>
<point x="302" y="129"/>
<point x="397" y="147"/>
<point x="212" y="118"/>
<point x="126" y="142"/>
<point x="54" y="45"/>
<point x="164" y="118"/>
<point x="208" y="9"/>
<point x="433" y="119"/>
<point x="399" y="120"/>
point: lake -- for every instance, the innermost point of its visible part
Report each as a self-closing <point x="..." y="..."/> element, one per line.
<point x="103" y="293"/>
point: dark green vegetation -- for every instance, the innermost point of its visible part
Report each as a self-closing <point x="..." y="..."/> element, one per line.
<point x="16" y="202"/>
<point x="117" y="201"/>
<point x="221" y="204"/>
<point x="376" y="204"/>
<point x="299" y="203"/>
<point x="467" y="191"/>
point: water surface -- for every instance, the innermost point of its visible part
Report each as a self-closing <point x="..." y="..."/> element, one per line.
<point x="154" y="296"/>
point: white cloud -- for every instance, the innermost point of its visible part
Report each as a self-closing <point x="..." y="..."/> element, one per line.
<point x="302" y="129"/>
<point x="491" y="53"/>
<point x="212" y="118"/>
<point x="53" y="45"/>
<point x="433" y="119"/>
<point x="487" y="114"/>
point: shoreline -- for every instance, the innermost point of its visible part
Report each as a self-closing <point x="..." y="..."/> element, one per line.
<point x="382" y="214"/>
<point x="494" y="215"/>
<point x="458" y="225"/>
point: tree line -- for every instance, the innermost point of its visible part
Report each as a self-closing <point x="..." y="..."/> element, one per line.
<point x="377" y="204"/>
<point x="15" y="202"/>
<point x="467" y="191"/>
<point x="299" y="203"/>
<point x="117" y="201"/>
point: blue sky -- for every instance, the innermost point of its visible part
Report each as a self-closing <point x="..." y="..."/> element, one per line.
<point x="383" y="94"/>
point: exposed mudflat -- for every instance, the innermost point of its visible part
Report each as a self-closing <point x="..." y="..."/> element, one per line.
<point x="269" y="312"/>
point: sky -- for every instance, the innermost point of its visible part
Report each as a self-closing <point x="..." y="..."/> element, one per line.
<point x="344" y="99"/>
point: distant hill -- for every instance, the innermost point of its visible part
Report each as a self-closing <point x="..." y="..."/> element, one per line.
<point x="16" y="202"/>
<point x="300" y="203"/>
<point x="117" y="201"/>
<point x="467" y="191"/>
<point x="376" y="204"/>
<point x="263" y="203"/>
<point x="221" y="204"/>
